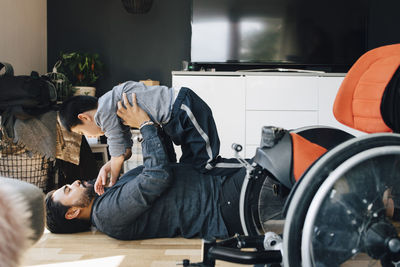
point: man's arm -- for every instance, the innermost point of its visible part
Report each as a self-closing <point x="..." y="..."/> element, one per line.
<point x="136" y="117"/>
<point x="124" y="203"/>
<point x="119" y="140"/>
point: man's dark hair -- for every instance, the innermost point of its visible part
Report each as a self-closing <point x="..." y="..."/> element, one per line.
<point x="72" y="107"/>
<point x="56" y="221"/>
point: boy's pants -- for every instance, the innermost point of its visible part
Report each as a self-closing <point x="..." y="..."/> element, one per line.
<point x="192" y="127"/>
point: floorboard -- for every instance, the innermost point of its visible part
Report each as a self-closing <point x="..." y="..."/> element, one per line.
<point x="96" y="249"/>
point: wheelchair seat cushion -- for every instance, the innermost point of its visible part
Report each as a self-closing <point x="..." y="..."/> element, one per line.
<point x="358" y="100"/>
<point x="289" y="158"/>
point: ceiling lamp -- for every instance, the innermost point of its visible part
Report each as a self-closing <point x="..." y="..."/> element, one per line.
<point x="137" y="6"/>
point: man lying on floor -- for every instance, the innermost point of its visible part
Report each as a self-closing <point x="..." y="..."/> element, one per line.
<point x="156" y="200"/>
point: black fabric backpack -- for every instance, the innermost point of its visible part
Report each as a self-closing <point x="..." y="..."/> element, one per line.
<point x="25" y="96"/>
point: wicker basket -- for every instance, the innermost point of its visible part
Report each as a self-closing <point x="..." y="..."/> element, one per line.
<point x="19" y="163"/>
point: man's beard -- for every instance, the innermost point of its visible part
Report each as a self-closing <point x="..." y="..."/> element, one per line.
<point x="87" y="195"/>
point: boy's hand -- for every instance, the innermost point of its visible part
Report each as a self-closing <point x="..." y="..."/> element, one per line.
<point x="112" y="167"/>
<point x="132" y="115"/>
<point x="102" y="178"/>
<point x="116" y="166"/>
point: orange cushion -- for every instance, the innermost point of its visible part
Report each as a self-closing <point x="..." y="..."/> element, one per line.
<point x="304" y="154"/>
<point x="358" y="100"/>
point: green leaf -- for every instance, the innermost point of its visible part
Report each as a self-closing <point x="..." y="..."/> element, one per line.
<point x="77" y="62"/>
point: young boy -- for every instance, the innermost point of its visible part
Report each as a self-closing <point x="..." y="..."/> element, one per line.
<point x="180" y="113"/>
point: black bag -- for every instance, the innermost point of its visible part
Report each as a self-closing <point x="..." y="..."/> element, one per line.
<point x="25" y="96"/>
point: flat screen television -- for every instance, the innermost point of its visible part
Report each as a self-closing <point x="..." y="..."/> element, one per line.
<point x="311" y="34"/>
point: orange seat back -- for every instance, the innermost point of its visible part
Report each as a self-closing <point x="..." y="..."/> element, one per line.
<point x="304" y="154"/>
<point x="358" y="100"/>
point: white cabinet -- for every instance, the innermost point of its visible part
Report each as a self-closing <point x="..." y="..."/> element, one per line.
<point x="284" y="101"/>
<point x="226" y="97"/>
<point x="243" y="102"/>
<point x="292" y="93"/>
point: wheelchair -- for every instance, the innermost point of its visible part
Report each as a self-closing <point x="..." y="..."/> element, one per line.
<point x="318" y="196"/>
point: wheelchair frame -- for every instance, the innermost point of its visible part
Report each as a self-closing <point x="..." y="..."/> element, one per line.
<point x="272" y="250"/>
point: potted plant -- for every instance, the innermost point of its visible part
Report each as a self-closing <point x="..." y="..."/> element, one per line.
<point x="83" y="70"/>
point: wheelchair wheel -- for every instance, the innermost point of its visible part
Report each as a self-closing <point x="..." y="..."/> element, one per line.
<point x="340" y="213"/>
<point x="264" y="197"/>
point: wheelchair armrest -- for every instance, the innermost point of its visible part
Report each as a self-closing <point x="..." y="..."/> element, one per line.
<point x="277" y="160"/>
<point x="325" y="136"/>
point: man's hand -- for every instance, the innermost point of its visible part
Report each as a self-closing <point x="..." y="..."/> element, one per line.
<point x="102" y="178"/>
<point x="132" y="115"/>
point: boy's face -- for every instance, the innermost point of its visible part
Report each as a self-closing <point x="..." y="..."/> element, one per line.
<point x="88" y="128"/>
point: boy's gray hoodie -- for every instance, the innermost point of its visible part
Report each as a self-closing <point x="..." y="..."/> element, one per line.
<point x="157" y="101"/>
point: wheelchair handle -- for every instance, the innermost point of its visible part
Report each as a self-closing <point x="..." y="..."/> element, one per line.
<point x="237" y="147"/>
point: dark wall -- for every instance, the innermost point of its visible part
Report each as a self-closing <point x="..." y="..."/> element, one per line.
<point x="132" y="46"/>
<point x="136" y="47"/>
<point x="384" y="21"/>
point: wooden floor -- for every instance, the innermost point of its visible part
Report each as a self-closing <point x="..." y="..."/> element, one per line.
<point x="96" y="249"/>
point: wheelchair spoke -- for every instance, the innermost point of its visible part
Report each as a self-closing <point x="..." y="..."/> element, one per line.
<point x="354" y="209"/>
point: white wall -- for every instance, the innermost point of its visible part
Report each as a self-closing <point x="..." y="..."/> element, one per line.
<point x="23" y="35"/>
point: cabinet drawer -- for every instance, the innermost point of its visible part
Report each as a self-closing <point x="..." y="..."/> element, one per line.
<point x="281" y="93"/>
<point x="255" y="120"/>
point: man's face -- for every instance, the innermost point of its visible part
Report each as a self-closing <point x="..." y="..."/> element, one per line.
<point x="88" y="128"/>
<point x="78" y="194"/>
